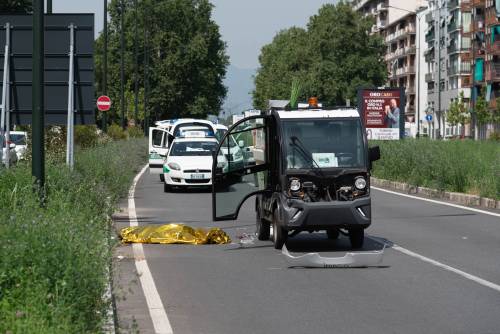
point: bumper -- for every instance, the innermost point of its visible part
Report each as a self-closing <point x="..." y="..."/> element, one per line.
<point x="180" y="179"/>
<point x="323" y="215"/>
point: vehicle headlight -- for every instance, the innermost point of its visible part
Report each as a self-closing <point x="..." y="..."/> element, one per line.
<point x="360" y="183"/>
<point x="174" y="166"/>
<point x="295" y="185"/>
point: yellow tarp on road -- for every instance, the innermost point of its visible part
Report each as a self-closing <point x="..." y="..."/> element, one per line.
<point x="173" y="234"/>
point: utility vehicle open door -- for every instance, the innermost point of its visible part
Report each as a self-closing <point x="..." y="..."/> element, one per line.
<point x="240" y="174"/>
<point x="158" y="149"/>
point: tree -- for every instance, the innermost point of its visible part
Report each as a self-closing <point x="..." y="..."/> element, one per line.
<point x="481" y="109"/>
<point x="334" y="57"/>
<point x="16" y="6"/>
<point x="458" y="112"/>
<point x="187" y="58"/>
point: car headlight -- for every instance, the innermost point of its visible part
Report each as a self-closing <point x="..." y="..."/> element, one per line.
<point x="174" y="166"/>
<point x="294" y="185"/>
<point x="360" y="183"/>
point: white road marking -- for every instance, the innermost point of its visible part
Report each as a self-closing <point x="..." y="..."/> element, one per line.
<point x="155" y="305"/>
<point x="439" y="202"/>
<point x="468" y="276"/>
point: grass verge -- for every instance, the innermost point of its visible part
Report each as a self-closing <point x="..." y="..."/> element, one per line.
<point x="54" y="260"/>
<point x="471" y="167"/>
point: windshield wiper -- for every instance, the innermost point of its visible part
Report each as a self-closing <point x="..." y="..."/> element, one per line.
<point x="297" y="143"/>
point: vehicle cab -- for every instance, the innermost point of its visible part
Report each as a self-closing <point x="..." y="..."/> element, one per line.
<point x="310" y="172"/>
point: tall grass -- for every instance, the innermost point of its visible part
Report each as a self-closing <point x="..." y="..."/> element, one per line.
<point x="54" y="260"/>
<point x="460" y="166"/>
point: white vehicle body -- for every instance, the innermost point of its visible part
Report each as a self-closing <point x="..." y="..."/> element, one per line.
<point x="20" y="139"/>
<point x="7" y="149"/>
<point x="189" y="162"/>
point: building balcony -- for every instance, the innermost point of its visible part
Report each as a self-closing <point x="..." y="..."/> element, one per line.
<point x="410" y="90"/>
<point x="478" y="3"/>
<point x="430" y="36"/>
<point x="467" y="81"/>
<point x="493" y="48"/>
<point x="430" y="77"/>
<point x="462" y="69"/>
<point x="491" y="16"/>
<point x="492" y="72"/>
<point x="400" y="33"/>
<point x="466" y="55"/>
<point x="453" y="26"/>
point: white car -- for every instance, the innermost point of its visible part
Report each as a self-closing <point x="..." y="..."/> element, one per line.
<point x="20" y="139"/>
<point x="189" y="163"/>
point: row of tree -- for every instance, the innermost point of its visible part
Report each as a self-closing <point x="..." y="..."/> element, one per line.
<point x="330" y="59"/>
<point x="178" y="44"/>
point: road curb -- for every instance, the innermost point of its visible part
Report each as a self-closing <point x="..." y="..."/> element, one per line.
<point x="459" y="198"/>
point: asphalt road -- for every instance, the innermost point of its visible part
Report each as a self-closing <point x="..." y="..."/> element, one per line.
<point x="227" y="289"/>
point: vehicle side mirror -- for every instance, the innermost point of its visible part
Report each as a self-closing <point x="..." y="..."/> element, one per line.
<point x="374" y="153"/>
<point x="12" y="146"/>
<point x="241" y="143"/>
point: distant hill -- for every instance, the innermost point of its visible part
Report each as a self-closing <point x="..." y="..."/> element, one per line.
<point x="239" y="82"/>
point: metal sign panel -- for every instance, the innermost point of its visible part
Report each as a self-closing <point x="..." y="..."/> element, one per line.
<point x="57" y="49"/>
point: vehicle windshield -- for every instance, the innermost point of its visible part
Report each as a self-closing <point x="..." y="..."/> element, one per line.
<point x="323" y="143"/>
<point x="193" y="148"/>
<point x="193" y="127"/>
<point x="18" y="139"/>
<point x="220" y="134"/>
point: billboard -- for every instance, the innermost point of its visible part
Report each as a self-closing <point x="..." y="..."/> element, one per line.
<point x="382" y="111"/>
<point x="57" y="66"/>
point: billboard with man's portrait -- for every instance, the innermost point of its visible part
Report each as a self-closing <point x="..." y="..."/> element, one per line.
<point x="382" y="111"/>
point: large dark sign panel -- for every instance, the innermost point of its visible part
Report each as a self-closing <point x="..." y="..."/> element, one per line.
<point x="382" y="111"/>
<point x="57" y="48"/>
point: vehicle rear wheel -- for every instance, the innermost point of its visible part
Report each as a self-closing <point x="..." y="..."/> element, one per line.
<point x="357" y="237"/>
<point x="279" y="234"/>
<point x="166" y="187"/>
<point x="263" y="228"/>
<point x="162" y="178"/>
<point x="333" y="233"/>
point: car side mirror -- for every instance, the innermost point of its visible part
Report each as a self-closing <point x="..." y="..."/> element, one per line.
<point x="374" y="153"/>
<point x="241" y="143"/>
<point x="12" y="146"/>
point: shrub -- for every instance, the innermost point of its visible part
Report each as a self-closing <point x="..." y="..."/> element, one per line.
<point x="458" y="165"/>
<point x="135" y="132"/>
<point x="86" y="136"/>
<point x="495" y="136"/>
<point x="54" y="260"/>
<point x="116" y="132"/>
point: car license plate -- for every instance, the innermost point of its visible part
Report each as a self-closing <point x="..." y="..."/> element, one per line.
<point x="197" y="176"/>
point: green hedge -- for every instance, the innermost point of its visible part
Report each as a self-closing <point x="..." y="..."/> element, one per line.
<point x="54" y="260"/>
<point x="460" y="165"/>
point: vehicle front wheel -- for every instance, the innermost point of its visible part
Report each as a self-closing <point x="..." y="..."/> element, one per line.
<point x="166" y="187"/>
<point x="333" y="233"/>
<point x="263" y="228"/>
<point x="162" y="178"/>
<point x="357" y="237"/>
<point x="279" y="233"/>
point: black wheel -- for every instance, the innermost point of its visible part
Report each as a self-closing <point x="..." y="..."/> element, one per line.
<point x="263" y="228"/>
<point x="333" y="233"/>
<point x="357" y="237"/>
<point x="162" y="178"/>
<point x="166" y="187"/>
<point x="279" y="234"/>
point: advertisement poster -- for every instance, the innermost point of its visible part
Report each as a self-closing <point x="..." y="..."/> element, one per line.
<point x="382" y="111"/>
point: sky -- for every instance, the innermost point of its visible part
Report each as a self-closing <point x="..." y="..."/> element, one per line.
<point x="246" y="25"/>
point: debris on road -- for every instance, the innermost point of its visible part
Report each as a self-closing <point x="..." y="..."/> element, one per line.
<point x="173" y="234"/>
<point x="246" y="240"/>
<point x="350" y="260"/>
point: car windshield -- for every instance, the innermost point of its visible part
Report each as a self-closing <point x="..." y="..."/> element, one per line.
<point x="220" y="134"/>
<point x="18" y="139"/>
<point x="181" y="130"/>
<point x="193" y="148"/>
<point x="323" y="143"/>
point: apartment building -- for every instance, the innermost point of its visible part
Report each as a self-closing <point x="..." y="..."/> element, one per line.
<point x="396" y="21"/>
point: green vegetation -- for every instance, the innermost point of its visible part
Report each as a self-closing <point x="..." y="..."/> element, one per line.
<point x="54" y="260"/>
<point x="334" y="57"/>
<point x="16" y="6"/>
<point x="187" y="58"/>
<point x="459" y="166"/>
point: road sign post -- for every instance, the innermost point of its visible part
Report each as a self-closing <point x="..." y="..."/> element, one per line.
<point x="70" y="138"/>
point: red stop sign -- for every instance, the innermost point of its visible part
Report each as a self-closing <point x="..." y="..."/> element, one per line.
<point x="103" y="103"/>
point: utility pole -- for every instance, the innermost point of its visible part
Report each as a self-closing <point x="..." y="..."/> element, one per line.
<point x="105" y="65"/>
<point x="146" y="77"/>
<point x="136" y="66"/>
<point x="122" y="65"/>
<point x="439" y="69"/>
<point x="38" y="121"/>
